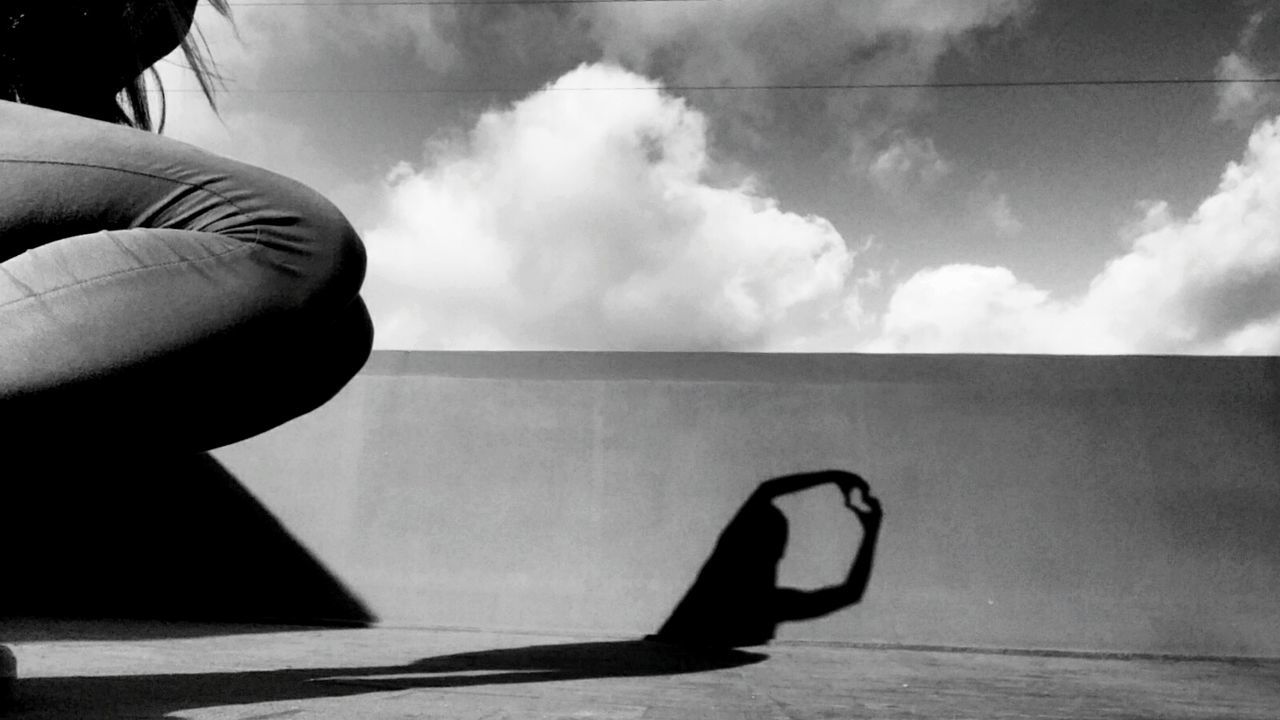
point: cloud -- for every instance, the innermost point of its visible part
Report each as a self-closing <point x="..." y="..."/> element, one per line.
<point x="588" y="219"/>
<point x="1206" y="284"/>
<point x="993" y="208"/>
<point x="907" y="166"/>
<point x="1000" y="214"/>
<point x="1243" y="103"/>
<point x="968" y="308"/>
<point x="1240" y="102"/>
<point x="754" y="41"/>
<point x="766" y="42"/>
<point x="289" y="46"/>
<point x="580" y="219"/>
<point x="256" y="135"/>
<point x="351" y="53"/>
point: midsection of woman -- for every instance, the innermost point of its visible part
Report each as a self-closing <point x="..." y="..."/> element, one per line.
<point x="148" y="289"/>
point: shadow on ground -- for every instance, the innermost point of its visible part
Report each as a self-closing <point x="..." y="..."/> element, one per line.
<point x="155" y="537"/>
<point x="155" y="695"/>
<point x="46" y="629"/>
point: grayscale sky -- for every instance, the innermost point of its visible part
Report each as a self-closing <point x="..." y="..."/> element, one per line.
<point x="558" y="175"/>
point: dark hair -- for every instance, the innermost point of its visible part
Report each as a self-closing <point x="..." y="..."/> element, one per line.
<point x="123" y="40"/>
<point x="196" y="50"/>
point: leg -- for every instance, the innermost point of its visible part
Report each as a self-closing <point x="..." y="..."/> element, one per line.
<point x="152" y="290"/>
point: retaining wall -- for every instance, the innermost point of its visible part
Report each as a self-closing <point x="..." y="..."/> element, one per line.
<point x="1101" y="504"/>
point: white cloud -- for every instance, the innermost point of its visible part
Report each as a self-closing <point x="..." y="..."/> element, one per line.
<point x="968" y="308"/>
<point x="586" y="219"/>
<point x="1240" y="102"/>
<point x="1209" y="283"/>
<point x="326" y="47"/>
<point x="582" y="219"/>
<point x="907" y="166"/>
<point x="1243" y="103"/>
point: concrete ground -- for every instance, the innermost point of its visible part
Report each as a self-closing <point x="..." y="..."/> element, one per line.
<point x="97" y="670"/>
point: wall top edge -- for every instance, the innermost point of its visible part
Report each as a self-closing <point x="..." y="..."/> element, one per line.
<point x="1251" y="374"/>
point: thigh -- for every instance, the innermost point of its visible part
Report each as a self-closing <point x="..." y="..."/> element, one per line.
<point x="63" y="176"/>
<point x="233" y="387"/>
<point x="144" y="276"/>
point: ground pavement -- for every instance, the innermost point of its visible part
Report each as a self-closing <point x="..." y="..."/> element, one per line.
<point x="123" y="670"/>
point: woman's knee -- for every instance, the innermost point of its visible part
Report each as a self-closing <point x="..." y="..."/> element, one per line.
<point x="324" y="358"/>
<point x="317" y="257"/>
<point x="341" y="261"/>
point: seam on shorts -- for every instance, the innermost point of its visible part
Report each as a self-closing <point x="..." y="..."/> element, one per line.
<point x="118" y="273"/>
<point x="257" y="232"/>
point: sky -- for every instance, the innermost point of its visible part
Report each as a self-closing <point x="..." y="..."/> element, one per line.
<point x="574" y="176"/>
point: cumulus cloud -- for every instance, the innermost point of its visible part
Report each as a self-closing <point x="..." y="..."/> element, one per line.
<point x="588" y="219"/>
<point x="1239" y="101"/>
<point x="1209" y="283"/>
<point x="968" y="308"/>
<point x="322" y="44"/>
<point x="908" y="165"/>
<point x="582" y="219"/>
<point x="343" y="51"/>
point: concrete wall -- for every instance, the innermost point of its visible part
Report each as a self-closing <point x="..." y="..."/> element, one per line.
<point x="1111" y="504"/>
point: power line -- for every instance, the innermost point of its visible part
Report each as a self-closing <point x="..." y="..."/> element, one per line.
<point x="981" y="84"/>
<point x="404" y="3"/>
<point x="830" y="87"/>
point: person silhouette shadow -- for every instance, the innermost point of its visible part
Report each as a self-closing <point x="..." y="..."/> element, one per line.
<point x="735" y="600"/>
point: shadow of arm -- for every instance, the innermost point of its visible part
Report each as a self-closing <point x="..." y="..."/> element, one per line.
<point x="788" y="484"/>
<point x="808" y="604"/>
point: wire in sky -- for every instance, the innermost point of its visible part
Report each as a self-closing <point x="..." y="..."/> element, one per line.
<point x="402" y="3"/>
<point x="1123" y="82"/>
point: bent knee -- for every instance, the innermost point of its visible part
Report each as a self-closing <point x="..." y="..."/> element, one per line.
<point x="337" y="261"/>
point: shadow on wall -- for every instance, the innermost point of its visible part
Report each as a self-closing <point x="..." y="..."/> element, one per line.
<point x="158" y="538"/>
<point x="735" y="600"/>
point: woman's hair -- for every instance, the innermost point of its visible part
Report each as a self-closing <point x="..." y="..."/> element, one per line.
<point x="196" y="50"/>
<point x="92" y="57"/>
